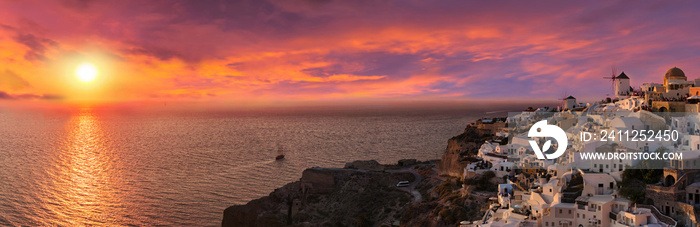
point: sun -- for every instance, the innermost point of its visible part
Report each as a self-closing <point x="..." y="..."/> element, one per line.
<point x="86" y="73"/>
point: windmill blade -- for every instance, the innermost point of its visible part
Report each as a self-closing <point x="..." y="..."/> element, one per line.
<point x="612" y="78"/>
<point x="565" y="95"/>
<point x="614" y="70"/>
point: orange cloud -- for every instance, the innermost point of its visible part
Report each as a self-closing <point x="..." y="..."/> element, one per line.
<point x="337" y="50"/>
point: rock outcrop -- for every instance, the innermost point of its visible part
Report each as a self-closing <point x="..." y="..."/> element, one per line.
<point x="459" y="151"/>
<point x="318" y="180"/>
<point x="372" y="165"/>
<point x="443" y="203"/>
<point x="407" y="162"/>
<point x="327" y="197"/>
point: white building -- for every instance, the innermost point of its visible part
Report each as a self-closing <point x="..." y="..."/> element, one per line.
<point x="569" y="103"/>
<point x="622" y="86"/>
<point x="636" y="217"/>
<point x="631" y="103"/>
<point x="597" y="184"/>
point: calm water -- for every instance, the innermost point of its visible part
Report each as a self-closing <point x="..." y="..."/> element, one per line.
<point x="90" y="167"/>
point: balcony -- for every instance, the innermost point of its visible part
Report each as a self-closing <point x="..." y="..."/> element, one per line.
<point x="593" y="222"/>
<point x="601" y="191"/>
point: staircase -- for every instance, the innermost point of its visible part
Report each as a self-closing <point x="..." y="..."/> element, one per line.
<point x="663" y="218"/>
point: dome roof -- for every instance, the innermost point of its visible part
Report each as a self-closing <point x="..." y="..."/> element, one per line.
<point x="675" y="73"/>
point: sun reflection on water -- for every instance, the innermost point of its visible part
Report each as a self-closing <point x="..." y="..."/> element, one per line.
<point x="86" y="175"/>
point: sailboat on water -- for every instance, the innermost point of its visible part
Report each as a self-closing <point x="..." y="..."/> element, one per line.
<point x="280" y="154"/>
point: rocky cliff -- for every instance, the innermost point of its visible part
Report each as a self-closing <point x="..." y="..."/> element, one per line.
<point x="327" y="197"/>
<point x="460" y="150"/>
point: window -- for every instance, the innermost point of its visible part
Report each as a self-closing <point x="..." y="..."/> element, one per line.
<point x="569" y="211"/>
<point x="596" y="165"/>
<point x="546" y="224"/>
<point x="607" y="166"/>
<point x="600" y="185"/>
<point x="560" y="211"/>
<point x="578" y="215"/>
<point x="611" y="185"/>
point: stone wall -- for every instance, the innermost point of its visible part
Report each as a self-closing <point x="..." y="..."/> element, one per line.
<point x="686" y="214"/>
<point x="668" y="106"/>
<point x="670" y="200"/>
<point x="663" y="197"/>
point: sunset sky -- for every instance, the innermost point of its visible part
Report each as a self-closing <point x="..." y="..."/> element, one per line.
<point x="339" y="50"/>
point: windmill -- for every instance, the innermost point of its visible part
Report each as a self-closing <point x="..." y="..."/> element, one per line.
<point x="613" y="78"/>
<point x="563" y="98"/>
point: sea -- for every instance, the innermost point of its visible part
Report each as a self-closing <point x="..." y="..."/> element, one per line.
<point x="90" y="166"/>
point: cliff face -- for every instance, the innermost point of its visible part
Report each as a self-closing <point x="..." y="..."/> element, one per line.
<point x="443" y="204"/>
<point x="330" y="197"/>
<point x="459" y="148"/>
<point x="318" y="181"/>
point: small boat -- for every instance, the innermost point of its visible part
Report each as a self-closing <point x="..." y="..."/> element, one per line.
<point x="280" y="154"/>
